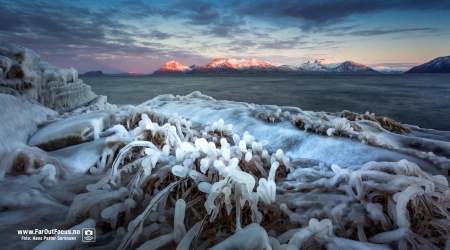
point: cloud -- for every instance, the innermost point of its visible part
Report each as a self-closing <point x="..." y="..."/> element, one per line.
<point x="280" y="44"/>
<point x="380" y="31"/>
<point x="215" y="19"/>
<point x="197" y="12"/>
<point x="160" y="35"/>
<point x="318" y="15"/>
<point x="64" y="34"/>
<point x="97" y="31"/>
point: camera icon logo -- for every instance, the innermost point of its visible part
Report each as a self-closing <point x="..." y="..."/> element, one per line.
<point x="88" y="234"/>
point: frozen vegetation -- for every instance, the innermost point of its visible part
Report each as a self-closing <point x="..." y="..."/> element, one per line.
<point x="191" y="172"/>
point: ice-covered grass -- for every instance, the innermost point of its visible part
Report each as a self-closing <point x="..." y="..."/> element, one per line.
<point x="163" y="180"/>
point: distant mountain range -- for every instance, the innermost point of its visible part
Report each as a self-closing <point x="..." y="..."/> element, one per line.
<point x="255" y="66"/>
<point x="438" y="65"/>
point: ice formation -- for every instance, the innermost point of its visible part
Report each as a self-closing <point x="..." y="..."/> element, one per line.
<point x="218" y="174"/>
<point x="24" y="72"/>
<point x="71" y="131"/>
<point x="20" y="120"/>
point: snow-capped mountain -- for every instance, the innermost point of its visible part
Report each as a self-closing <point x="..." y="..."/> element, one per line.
<point x="316" y="66"/>
<point x="352" y="67"/>
<point x="320" y="66"/>
<point x="173" y="67"/>
<point x="438" y="65"/>
<point x="219" y="65"/>
<point x="255" y="66"/>
<point x="232" y="65"/>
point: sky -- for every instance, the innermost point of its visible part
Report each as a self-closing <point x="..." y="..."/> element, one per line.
<point x="139" y="36"/>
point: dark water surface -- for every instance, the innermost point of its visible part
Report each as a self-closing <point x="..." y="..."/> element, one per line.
<point x="422" y="100"/>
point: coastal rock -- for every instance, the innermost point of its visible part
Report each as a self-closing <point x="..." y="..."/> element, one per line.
<point x="20" y="120"/>
<point x="79" y="158"/>
<point x="23" y="71"/>
<point x="71" y="131"/>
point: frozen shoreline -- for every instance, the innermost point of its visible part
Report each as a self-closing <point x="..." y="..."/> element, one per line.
<point x="149" y="177"/>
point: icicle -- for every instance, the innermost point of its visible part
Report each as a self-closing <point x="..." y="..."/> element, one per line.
<point x="180" y="171"/>
<point x="135" y="226"/>
<point x="179" y="228"/>
<point x="189" y="236"/>
<point x="266" y="191"/>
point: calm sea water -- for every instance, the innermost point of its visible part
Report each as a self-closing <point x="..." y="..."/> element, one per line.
<point x="422" y="100"/>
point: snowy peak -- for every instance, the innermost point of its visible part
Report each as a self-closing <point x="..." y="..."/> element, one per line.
<point x="353" y="67"/>
<point x="255" y="66"/>
<point x="316" y="66"/>
<point x="318" y="61"/>
<point x="438" y="65"/>
<point x="172" y="67"/>
<point x="233" y="65"/>
<point x="221" y="64"/>
<point x="238" y="63"/>
<point x="321" y="66"/>
<point x="250" y="63"/>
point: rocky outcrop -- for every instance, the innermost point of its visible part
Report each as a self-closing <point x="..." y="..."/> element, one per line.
<point x="71" y="131"/>
<point x="97" y="73"/>
<point x="23" y="72"/>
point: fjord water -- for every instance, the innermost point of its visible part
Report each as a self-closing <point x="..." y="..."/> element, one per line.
<point x="422" y="100"/>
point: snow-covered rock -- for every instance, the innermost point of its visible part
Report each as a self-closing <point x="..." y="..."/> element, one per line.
<point x="438" y="65"/>
<point x="172" y="67"/>
<point x="19" y="120"/>
<point x="23" y="71"/>
<point x="71" y="131"/>
<point x="32" y="93"/>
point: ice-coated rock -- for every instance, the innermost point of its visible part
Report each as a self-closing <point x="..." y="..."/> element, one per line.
<point x="23" y="71"/>
<point x="79" y="158"/>
<point x="72" y="131"/>
<point x="19" y="120"/>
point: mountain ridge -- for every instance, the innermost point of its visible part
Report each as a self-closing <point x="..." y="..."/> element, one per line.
<point x="255" y="66"/>
<point x="437" y="65"/>
<point x="172" y="67"/>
